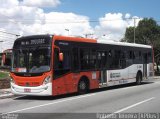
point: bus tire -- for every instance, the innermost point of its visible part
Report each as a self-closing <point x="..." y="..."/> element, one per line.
<point x="83" y="86"/>
<point x="139" y="78"/>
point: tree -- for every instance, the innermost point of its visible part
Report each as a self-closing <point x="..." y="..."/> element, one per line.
<point x="129" y="35"/>
<point x="147" y="32"/>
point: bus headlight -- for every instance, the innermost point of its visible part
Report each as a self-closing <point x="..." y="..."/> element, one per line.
<point x="47" y="80"/>
<point x="11" y="80"/>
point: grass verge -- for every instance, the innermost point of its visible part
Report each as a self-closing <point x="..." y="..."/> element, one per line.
<point x="4" y="75"/>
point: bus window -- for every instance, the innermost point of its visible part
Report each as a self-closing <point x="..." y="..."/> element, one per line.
<point x="117" y="59"/>
<point x="149" y="57"/>
<point x="122" y="59"/>
<point x="88" y="59"/>
<point x="110" y="58"/>
<point x="39" y="60"/>
<point x="19" y="61"/>
<point x="101" y="59"/>
<point x="92" y="59"/>
<point x="84" y="55"/>
<point x="130" y="58"/>
<point x="66" y="61"/>
<point x="75" y="59"/>
<point x="61" y="67"/>
<point x="140" y="56"/>
<point x="56" y="59"/>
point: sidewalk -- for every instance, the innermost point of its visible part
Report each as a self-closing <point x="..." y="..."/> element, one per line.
<point x="156" y="77"/>
<point x="5" y="93"/>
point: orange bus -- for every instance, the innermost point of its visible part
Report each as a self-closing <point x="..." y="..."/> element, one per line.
<point x="53" y="65"/>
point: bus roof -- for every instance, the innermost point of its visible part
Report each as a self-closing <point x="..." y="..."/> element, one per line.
<point x="123" y="44"/>
<point x="87" y="40"/>
<point x="79" y="39"/>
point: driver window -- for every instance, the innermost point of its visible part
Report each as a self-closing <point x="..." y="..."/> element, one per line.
<point x="61" y="67"/>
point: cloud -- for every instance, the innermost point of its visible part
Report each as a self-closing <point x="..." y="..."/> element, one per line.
<point x="113" y="25"/>
<point x="41" y="3"/>
<point x="27" y="20"/>
<point x="127" y="16"/>
<point x="8" y="3"/>
<point x="57" y="22"/>
<point x="30" y="19"/>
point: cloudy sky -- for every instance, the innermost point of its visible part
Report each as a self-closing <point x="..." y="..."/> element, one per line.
<point x="101" y="18"/>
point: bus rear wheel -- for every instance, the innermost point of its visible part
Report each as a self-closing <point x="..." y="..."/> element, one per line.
<point x="82" y="87"/>
<point x="138" y="78"/>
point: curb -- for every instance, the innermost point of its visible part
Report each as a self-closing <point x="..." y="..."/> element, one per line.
<point x="156" y="77"/>
<point x="5" y="93"/>
<point x="6" y="96"/>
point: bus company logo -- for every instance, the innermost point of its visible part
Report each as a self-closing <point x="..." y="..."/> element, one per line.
<point x="63" y="43"/>
<point x="27" y="84"/>
<point x="115" y="75"/>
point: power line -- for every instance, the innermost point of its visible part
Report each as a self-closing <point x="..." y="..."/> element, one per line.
<point x="56" y="21"/>
<point x="81" y="21"/>
<point x="59" y="20"/>
<point x="5" y="37"/>
<point x="9" y="33"/>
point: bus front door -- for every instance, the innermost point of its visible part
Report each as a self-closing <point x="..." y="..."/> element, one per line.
<point x="103" y="79"/>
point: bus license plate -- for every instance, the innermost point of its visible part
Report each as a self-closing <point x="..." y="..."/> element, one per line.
<point x="27" y="90"/>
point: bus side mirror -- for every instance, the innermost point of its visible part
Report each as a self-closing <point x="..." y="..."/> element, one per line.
<point x="61" y="57"/>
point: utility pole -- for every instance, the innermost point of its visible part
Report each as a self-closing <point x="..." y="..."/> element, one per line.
<point x="134" y="29"/>
<point x="2" y="54"/>
<point x="67" y="31"/>
<point x="1" y="45"/>
<point x="89" y="34"/>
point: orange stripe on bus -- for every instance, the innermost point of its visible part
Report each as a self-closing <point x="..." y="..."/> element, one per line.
<point x="75" y="39"/>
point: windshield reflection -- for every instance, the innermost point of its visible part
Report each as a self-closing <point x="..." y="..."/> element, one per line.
<point x="31" y="60"/>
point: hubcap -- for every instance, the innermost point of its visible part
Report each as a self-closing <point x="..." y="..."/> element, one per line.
<point x="82" y="85"/>
<point x="139" y="79"/>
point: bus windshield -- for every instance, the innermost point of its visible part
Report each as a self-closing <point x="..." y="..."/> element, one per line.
<point x="31" y="60"/>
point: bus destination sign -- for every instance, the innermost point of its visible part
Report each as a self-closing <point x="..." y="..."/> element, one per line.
<point x="33" y="42"/>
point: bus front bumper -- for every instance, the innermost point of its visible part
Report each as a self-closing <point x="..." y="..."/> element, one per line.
<point x="43" y="90"/>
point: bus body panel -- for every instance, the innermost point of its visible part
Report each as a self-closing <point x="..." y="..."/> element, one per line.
<point x="123" y="76"/>
<point x="42" y="90"/>
<point x="31" y="85"/>
<point x="29" y="81"/>
<point x="69" y="82"/>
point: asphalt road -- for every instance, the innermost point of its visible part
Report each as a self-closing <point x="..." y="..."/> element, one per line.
<point x="130" y="101"/>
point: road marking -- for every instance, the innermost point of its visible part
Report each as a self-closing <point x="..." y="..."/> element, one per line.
<point x="131" y="106"/>
<point x="158" y="82"/>
<point x="121" y="110"/>
<point x="87" y="95"/>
